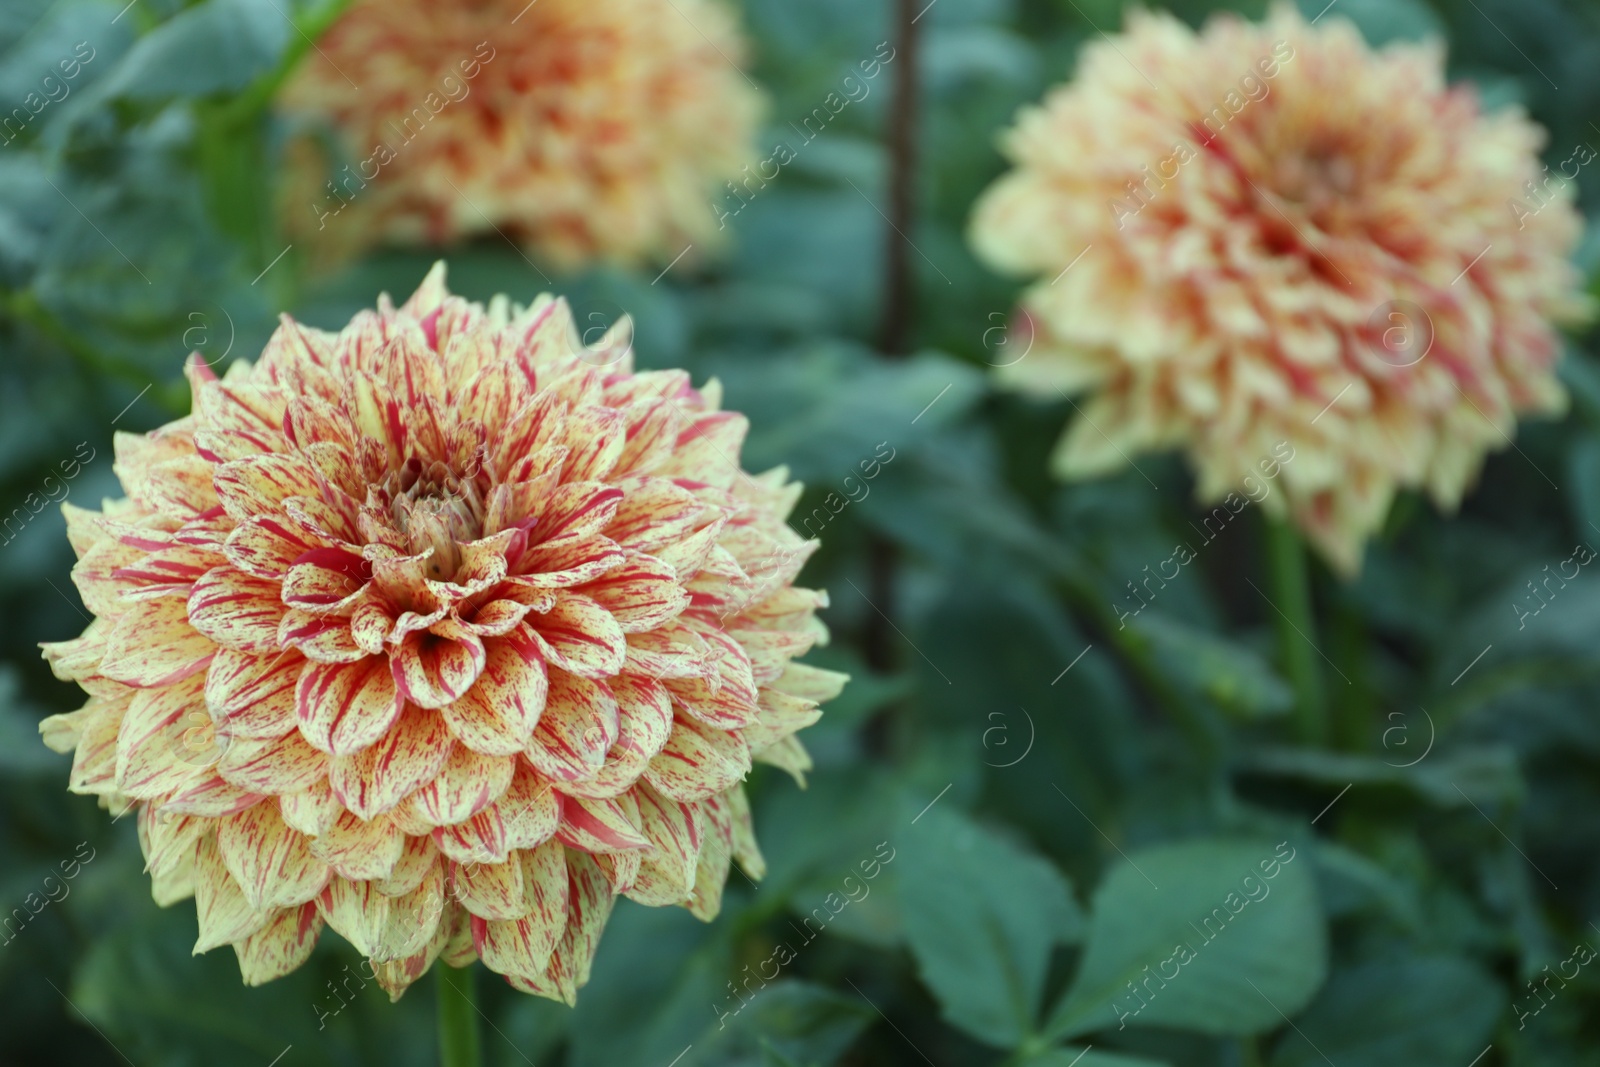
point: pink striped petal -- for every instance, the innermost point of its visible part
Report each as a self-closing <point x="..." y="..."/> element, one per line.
<point x="224" y="912"/>
<point x="280" y="946"/>
<point x="644" y="713"/>
<point x="436" y="667"/>
<point x="344" y="707"/>
<point x="491" y="890"/>
<point x="253" y="696"/>
<point x="466" y="784"/>
<point x="698" y="761"/>
<point x="324" y="638"/>
<point x="267" y="546"/>
<point x="273" y="765"/>
<point x="481" y="839"/>
<point x="600" y="825"/>
<point x="655" y="513"/>
<point x="401" y="761"/>
<point x="522" y="947"/>
<point x="155" y="752"/>
<point x="271" y="862"/>
<point x="581" y="637"/>
<point x="358" y="849"/>
<point x="667" y="872"/>
<point x="260" y="484"/>
<point x="498" y="714"/>
<point x="580" y="722"/>
<point x="211" y="796"/>
<point x="642" y="594"/>
<point x="154" y="645"/>
<point x="237" y="610"/>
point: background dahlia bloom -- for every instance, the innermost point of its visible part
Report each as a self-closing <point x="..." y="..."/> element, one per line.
<point x="1285" y="236"/>
<point x="443" y="630"/>
<point x="580" y="129"/>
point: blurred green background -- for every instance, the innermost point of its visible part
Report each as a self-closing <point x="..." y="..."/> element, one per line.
<point x="1443" y="849"/>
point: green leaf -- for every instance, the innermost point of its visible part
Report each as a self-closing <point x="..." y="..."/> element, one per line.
<point x="665" y="973"/>
<point x="981" y="914"/>
<point x="1382" y="21"/>
<point x="21" y="751"/>
<point x="1073" y="1057"/>
<point x="1198" y="936"/>
<point x="1397" y="1013"/>
<point x="214" y="47"/>
<point x="789" y="1022"/>
<point x="1237" y="677"/>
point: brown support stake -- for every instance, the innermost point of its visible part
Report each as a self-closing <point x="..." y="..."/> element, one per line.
<point x="895" y="335"/>
<point x="895" y="331"/>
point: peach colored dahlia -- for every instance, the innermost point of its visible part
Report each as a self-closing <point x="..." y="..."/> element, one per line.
<point x="443" y="630"/>
<point x="581" y="129"/>
<point x="1285" y="236"/>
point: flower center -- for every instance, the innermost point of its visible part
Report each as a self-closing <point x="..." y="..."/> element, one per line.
<point x="433" y="508"/>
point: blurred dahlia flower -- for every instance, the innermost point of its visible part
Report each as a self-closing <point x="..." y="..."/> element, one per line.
<point x="582" y="130"/>
<point x="443" y="630"/>
<point x="1271" y="233"/>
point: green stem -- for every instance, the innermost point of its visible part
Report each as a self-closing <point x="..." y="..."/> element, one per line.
<point x="458" y="1017"/>
<point x="1290" y="590"/>
<point x="1136" y="653"/>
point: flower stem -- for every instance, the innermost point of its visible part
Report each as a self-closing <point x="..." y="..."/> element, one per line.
<point x="1291" y="596"/>
<point x="458" y="1018"/>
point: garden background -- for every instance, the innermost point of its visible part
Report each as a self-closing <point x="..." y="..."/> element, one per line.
<point x="1046" y="801"/>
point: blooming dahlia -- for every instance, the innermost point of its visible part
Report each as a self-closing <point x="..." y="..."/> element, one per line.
<point x="443" y="630"/>
<point x="1285" y="237"/>
<point x="583" y="130"/>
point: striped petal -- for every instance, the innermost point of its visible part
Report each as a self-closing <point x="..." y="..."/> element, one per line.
<point x="522" y="947"/>
<point x="271" y="862"/>
<point x="154" y="645"/>
<point x="280" y="946"/>
<point x="498" y="714"/>
<point x="251" y="695"/>
<point x="403" y="760"/>
<point x="466" y="784"/>
<point x="360" y="850"/>
<point x="225" y="913"/>
<point x="432" y="669"/>
<point x="667" y="872"/>
<point x="237" y="610"/>
<point x="580" y="636"/>
<point x="640" y="595"/>
<point x="491" y="890"/>
<point x="578" y="725"/>
<point x="600" y="825"/>
<point x="276" y="765"/>
<point x="344" y="707"/>
<point x="698" y="761"/>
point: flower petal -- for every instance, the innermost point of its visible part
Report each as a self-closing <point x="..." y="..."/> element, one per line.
<point x="698" y="761"/>
<point x="578" y="725"/>
<point x="154" y="645"/>
<point x="237" y="610"/>
<point x="403" y="760"/>
<point x="280" y="946"/>
<point x="498" y="714"/>
<point x="271" y="862"/>
<point x="344" y="707"/>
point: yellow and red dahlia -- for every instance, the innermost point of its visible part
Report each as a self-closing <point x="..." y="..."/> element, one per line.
<point x="582" y="130"/>
<point x="443" y="630"/>
<point x="1271" y="233"/>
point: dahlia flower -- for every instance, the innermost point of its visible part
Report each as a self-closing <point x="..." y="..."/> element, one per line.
<point x="1265" y="234"/>
<point x="442" y="630"/>
<point x="582" y="130"/>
